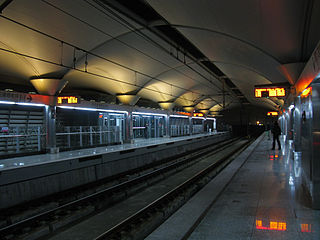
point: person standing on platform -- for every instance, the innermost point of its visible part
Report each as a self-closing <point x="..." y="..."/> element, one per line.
<point x="276" y="132"/>
<point x="146" y="130"/>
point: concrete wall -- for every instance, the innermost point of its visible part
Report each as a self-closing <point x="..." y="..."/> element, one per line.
<point x="29" y="183"/>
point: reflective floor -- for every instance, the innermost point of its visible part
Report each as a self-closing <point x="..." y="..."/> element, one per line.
<point x="45" y="158"/>
<point x="264" y="200"/>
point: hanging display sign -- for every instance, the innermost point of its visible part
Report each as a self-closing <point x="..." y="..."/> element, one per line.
<point x="198" y="114"/>
<point x="272" y="113"/>
<point x="269" y="92"/>
<point x="24" y="98"/>
<point x="68" y="100"/>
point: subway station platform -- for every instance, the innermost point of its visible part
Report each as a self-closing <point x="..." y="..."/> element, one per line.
<point x="257" y="196"/>
<point x="32" y="160"/>
<point x="23" y="179"/>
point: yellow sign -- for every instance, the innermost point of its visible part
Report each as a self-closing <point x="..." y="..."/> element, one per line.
<point x="270" y="92"/>
<point x="272" y="114"/>
<point x="68" y="100"/>
<point x="198" y="114"/>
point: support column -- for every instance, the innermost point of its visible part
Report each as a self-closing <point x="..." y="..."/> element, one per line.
<point x="167" y="126"/>
<point x="51" y="113"/>
<point x="129" y="128"/>
<point x="315" y="140"/>
<point x="50" y="87"/>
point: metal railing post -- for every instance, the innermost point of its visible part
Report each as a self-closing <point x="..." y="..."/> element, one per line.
<point x="39" y="139"/>
<point x="17" y="141"/>
<point x="68" y="137"/>
<point x="91" y="140"/>
<point x="80" y="135"/>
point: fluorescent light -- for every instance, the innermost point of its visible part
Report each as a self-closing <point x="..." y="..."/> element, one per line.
<point x="154" y="114"/>
<point x="116" y="114"/>
<point x="66" y="107"/>
<point x="118" y="111"/>
<point x="7" y="102"/>
<point x="31" y="104"/>
<point x="22" y="103"/>
<point x="91" y="109"/>
<point x="180" y="116"/>
<point x="198" y="117"/>
<point x="210" y="118"/>
<point x="86" y="109"/>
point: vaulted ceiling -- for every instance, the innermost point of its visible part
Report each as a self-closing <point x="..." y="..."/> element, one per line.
<point x="208" y="54"/>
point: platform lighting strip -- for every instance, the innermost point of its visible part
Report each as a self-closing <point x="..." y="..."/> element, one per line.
<point x="179" y="116"/>
<point x="198" y="117"/>
<point x="154" y="114"/>
<point x="92" y="109"/>
<point x="22" y="103"/>
<point x="117" y="114"/>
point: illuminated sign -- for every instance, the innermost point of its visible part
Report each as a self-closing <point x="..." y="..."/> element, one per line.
<point x="184" y="113"/>
<point x="198" y="114"/>
<point x="270" y="92"/>
<point x="272" y="113"/>
<point x="278" y="226"/>
<point x="306" y="92"/>
<point x="68" y="100"/>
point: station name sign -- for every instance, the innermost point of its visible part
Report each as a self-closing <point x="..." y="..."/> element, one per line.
<point x="269" y="92"/>
<point x="68" y="100"/>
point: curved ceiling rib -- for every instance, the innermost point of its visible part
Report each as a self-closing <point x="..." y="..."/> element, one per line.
<point x="144" y="14"/>
<point x="244" y="67"/>
<point x="208" y="54"/>
<point x="231" y="37"/>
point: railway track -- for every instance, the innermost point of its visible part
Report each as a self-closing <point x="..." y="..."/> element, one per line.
<point x="55" y="221"/>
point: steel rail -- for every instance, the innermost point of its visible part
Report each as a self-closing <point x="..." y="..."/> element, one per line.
<point x="165" y="198"/>
<point x="108" y="191"/>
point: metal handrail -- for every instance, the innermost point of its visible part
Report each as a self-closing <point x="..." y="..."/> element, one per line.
<point x="21" y="135"/>
<point x="73" y="133"/>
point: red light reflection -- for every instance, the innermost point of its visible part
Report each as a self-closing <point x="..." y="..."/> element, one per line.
<point x="305" y="227"/>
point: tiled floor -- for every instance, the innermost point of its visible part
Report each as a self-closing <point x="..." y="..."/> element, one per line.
<point x="263" y="201"/>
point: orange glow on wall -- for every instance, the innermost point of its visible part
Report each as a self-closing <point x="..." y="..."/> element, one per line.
<point x="198" y="114"/>
<point x="270" y="92"/>
<point x="306" y="92"/>
<point x="272" y="113"/>
<point x="278" y="226"/>
<point x="68" y="99"/>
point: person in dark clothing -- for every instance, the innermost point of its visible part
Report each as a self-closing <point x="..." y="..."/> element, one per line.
<point x="276" y="132"/>
<point x="146" y="130"/>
